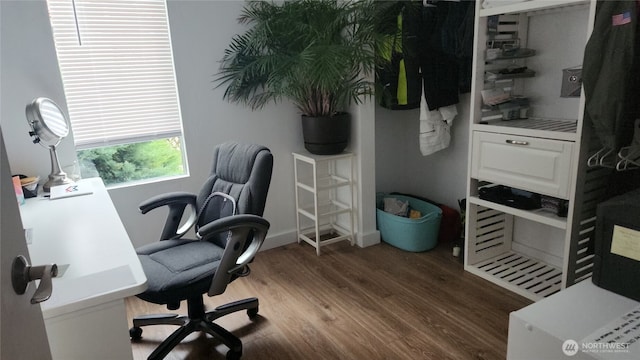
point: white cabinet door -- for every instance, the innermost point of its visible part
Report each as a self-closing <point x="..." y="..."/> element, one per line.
<point x="534" y="164"/>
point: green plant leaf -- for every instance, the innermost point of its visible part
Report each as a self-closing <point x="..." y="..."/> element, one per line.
<point x="319" y="54"/>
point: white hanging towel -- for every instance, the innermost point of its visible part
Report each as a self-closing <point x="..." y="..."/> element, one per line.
<point x="435" y="127"/>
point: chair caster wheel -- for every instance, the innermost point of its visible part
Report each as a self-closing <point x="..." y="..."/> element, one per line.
<point x="234" y="355"/>
<point x="135" y="333"/>
<point x="252" y="313"/>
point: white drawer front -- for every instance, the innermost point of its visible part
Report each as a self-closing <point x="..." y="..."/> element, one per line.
<point x="539" y="165"/>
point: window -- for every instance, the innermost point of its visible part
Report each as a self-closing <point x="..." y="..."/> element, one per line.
<point x="117" y="70"/>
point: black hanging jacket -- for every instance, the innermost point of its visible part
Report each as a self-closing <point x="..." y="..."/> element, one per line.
<point x="399" y="79"/>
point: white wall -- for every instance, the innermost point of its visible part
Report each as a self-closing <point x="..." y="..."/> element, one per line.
<point x="400" y="166"/>
<point x="200" y="31"/>
<point x="29" y="69"/>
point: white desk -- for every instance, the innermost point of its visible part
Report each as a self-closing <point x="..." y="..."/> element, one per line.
<point x="538" y="331"/>
<point x="85" y="317"/>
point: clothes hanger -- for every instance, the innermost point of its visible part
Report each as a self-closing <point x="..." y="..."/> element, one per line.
<point x="428" y="3"/>
<point x="602" y="158"/>
<point x="630" y="155"/>
<point x="630" y="158"/>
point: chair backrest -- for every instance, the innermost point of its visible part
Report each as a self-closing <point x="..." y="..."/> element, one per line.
<point x="242" y="171"/>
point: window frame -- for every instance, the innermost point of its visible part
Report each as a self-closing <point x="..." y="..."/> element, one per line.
<point x="86" y="69"/>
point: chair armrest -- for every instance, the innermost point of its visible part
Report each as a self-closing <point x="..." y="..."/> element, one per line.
<point x="232" y="223"/>
<point x="177" y="202"/>
<point x="237" y="254"/>
<point x="172" y="198"/>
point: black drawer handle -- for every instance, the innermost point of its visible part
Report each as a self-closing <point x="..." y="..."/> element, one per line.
<point x="517" y="142"/>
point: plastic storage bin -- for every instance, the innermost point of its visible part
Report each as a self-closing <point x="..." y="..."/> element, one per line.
<point x="413" y="235"/>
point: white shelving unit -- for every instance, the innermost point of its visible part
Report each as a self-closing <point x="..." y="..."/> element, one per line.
<point x="324" y="198"/>
<point x="533" y="253"/>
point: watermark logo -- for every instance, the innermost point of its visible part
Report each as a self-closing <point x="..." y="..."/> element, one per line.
<point x="570" y="347"/>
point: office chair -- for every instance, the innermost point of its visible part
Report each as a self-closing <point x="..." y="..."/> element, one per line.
<point x="227" y="218"/>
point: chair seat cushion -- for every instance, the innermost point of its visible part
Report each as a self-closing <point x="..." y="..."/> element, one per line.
<point x="178" y="269"/>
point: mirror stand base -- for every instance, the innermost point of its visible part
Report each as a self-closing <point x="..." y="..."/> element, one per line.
<point x="55" y="180"/>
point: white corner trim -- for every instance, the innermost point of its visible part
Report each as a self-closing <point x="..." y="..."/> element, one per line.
<point x="369" y="239"/>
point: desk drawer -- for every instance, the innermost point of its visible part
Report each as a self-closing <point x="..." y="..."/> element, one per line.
<point x="539" y="165"/>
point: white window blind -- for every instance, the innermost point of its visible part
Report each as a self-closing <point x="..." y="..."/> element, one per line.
<point x="117" y="69"/>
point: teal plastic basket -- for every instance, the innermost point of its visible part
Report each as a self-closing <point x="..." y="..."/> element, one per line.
<point x="413" y="235"/>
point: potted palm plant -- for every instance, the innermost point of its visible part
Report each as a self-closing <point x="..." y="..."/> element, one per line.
<point x="319" y="54"/>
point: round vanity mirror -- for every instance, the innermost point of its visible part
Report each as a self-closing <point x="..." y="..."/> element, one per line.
<point x="49" y="125"/>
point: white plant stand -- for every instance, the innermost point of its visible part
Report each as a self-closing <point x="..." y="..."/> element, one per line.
<point x="324" y="187"/>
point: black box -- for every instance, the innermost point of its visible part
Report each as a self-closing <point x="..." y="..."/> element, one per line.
<point x="616" y="264"/>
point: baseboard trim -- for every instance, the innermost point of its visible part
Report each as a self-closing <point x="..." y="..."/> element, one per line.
<point x="290" y="237"/>
<point x="282" y="239"/>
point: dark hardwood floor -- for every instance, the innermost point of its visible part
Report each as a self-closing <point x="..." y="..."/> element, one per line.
<point x="350" y="303"/>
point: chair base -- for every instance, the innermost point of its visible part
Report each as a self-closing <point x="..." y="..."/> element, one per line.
<point x="197" y="320"/>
